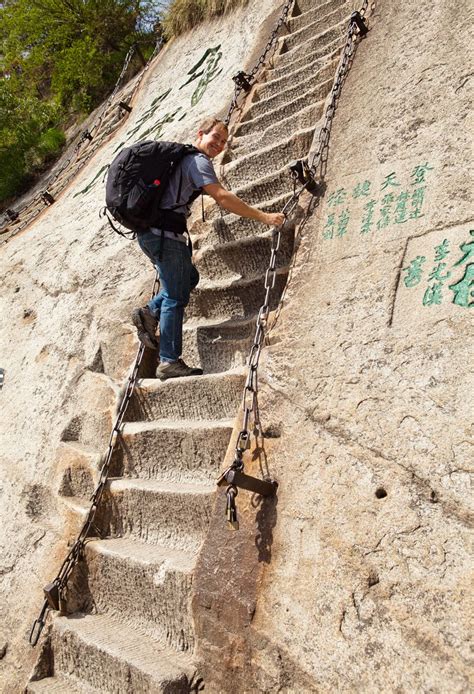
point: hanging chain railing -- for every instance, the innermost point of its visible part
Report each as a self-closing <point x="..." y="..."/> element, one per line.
<point x="234" y="476"/>
<point x="305" y="174"/>
<point x="54" y="591"/>
<point x="244" y="81"/>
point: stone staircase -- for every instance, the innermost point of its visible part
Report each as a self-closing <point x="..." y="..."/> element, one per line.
<point x="130" y="627"/>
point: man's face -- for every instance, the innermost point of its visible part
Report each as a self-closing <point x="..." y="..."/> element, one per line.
<point x="213" y="142"/>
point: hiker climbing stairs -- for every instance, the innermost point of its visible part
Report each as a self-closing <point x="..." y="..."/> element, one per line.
<point x="130" y="629"/>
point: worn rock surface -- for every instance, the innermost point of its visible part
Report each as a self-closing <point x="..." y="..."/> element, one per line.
<point x="355" y="576"/>
<point x="364" y="581"/>
<point x="68" y="287"/>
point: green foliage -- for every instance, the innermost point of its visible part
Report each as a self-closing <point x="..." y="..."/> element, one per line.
<point x="58" y="60"/>
<point x="23" y="118"/>
<point x="70" y="50"/>
<point x="49" y="145"/>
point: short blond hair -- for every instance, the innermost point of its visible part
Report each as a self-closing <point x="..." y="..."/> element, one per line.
<point x="209" y="123"/>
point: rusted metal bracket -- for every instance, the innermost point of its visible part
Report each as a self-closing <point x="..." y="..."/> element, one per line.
<point x="358" y="20"/>
<point x="301" y="172"/>
<point x="241" y="79"/>
<point x="251" y="484"/>
<point x="51" y="593"/>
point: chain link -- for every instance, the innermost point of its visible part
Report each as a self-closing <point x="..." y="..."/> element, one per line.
<point x="76" y="551"/>
<point x="250" y="78"/>
<point x="319" y="159"/>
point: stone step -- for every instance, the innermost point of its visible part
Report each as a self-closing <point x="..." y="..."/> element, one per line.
<point x="274" y="185"/>
<point x="277" y="106"/>
<point x="287" y="63"/>
<point x="161" y="513"/>
<point x="247" y="257"/>
<point x="60" y="685"/>
<point x="237" y="299"/>
<point x="145" y="585"/>
<point x="312" y="46"/>
<point x="110" y="656"/>
<point x="303" y="119"/>
<point x="219" y="346"/>
<point x="316" y="24"/>
<point x="304" y="61"/>
<point x="308" y="5"/>
<point x="262" y="163"/>
<point x="198" y="450"/>
<point x="274" y="119"/>
<point x="230" y="227"/>
<point x="318" y="12"/>
<point x="319" y="68"/>
<point x="213" y="396"/>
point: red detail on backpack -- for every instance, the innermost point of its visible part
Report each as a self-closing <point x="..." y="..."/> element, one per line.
<point x="157" y="182"/>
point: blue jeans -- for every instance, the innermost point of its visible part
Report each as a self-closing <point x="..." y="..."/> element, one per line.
<point x="178" y="277"/>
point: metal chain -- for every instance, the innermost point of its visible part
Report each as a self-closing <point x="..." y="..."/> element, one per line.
<point x="250" y="395"/>
<point x="249" y="79"/>
<point x="58" y="585"/>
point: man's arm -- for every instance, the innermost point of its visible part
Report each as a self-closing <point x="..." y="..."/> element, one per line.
<point x="232" y="203"/>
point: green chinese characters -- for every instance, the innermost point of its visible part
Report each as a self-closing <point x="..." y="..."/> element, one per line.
<point x="462" y="289"/>
<point x="395" y="205"/>
<point x="209" y="64"/>
<point x="414" y="271"/>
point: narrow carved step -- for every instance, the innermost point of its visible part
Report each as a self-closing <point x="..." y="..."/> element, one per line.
<point x="319" y="68"/>
<point x="247" y="257"/>
<point x="307" y="5"/>
<point x="198" y="449"/>
<point x="237" y="299"/>
<point x="218" y="347"/>
<point x="312" y="46"/>
<point x="275" y="185"/>
<point x="267" y="160"/>
<point x="285" y="102"/>
<point x="214" y="396"/>
<point x="227" y="228"/>
<point x="319" y="13"/>
<point x="286" y="63"/>
<point x="111" y="657"/>
<point x="61" y="684"/>
<point x="145" y="585"/>
<point x="317" y="26"/>
<point x="162" y="513"/>
<point x="302" y="119"/>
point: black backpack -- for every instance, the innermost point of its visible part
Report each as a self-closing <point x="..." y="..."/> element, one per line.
<point x="136" y="181"/>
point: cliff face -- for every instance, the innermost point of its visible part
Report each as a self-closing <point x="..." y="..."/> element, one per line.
<point x="360" y="571"/>
<point x="354" y="578"/>
<point x="68" y="288"/>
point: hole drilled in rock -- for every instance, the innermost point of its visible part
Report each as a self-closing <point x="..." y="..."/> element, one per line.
<point x="272" y="431"/>
<point x="373" y="579"/>
<point x="380" y="493"/>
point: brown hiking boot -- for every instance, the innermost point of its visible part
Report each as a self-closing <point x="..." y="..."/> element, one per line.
<point x="146" y="325"/>
<point x="175" y="369"/>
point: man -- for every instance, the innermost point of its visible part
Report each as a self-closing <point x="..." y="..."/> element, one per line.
<point x="170" y="254"/>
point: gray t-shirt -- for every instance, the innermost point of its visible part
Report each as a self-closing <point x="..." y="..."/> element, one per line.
<point x="194" y="172"/>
